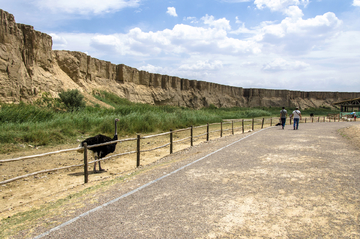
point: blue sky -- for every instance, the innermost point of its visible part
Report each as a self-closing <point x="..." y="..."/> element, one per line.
<point x="309" y="45"/>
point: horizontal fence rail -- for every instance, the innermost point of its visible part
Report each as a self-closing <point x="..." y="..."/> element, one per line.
<point x="245" y="123"/>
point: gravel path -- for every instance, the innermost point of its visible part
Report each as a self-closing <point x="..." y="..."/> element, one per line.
<point x="272" y="183"/>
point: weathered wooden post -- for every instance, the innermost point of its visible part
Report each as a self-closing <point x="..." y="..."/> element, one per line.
<point x="86" y="172"/>
<point x="262" y="123"/>
<point x="312" y="120"/>
<point x="138" y="151"/>
<point x="207" y="133"/>
<point x="305" y="120"/>
<point x="243" y="129"/>
<point x="221" y="129"/>
<point x="271" y="121"/>
<point x="324" y="118"/>
<point x="232" y="127"/>
<point x="319" y="119"/>
<point x="252" y="124"/>
<point x="171" y="141"/>
<point x="192" y="135"/>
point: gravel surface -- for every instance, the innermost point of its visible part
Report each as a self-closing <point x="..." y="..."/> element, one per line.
<point x="272" y="183"/>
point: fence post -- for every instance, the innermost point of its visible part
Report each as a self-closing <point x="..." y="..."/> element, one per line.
<point x="305" y="120"/>
<point x="252" y="124"/>
<point x="262" y="123"/>
<point x="324" y="118"/>
<point x="208" y="133"/>
<point x="290" y="120"/>
<point x="232" y="127"/>
<point x="271" y="121"/>
<point x="138" y="151"/>
<point x="192" y="135"/>
<point x="171" y="141"/>
<point x="243" y="129"/>
<point x="319" y="119"/>
<point x="312" y="120"/>
<point x="86" y="172"/>
<point x="221" y="129"/>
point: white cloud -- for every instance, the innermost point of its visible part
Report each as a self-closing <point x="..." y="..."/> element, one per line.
<point x="298" y="35"/>
<point x="243" y="30"/>
<point x="235" y="1"/>
<point x="191" y="19"/>
<point x="85" y="7"/>
<point x="58" y="41"/>
<point x="171" y="11"/>
<point x="280" y="64"/>
<point x="188" y="39"/>
<point x="237" y="20"/>
<point x="202" y="65"/>
<point x="153" y="69"/>
<point x="294" y="12"/>
<point x="73" y="42"/>
<point x="182" y="39"/>
<point x="220" y="23"/>
<point x="356" y="3"/>
<point x="279" y="5"/>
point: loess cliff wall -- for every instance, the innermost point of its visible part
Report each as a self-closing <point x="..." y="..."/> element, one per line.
<point x="29" y="66"/>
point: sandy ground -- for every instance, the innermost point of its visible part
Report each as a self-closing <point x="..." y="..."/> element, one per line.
<point x="32" y="192"/>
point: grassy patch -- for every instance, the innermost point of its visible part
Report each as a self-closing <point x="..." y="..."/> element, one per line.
<point x="44" y="123"/>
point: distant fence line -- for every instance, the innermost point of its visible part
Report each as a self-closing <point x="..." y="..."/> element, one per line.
<point x="171" y="143"/>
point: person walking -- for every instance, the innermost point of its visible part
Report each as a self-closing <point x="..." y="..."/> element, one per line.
<point x="283" y="115"/>
<point x="297" y="117"/>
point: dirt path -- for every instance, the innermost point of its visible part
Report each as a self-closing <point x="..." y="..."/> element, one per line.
<point x="276" y="183"/>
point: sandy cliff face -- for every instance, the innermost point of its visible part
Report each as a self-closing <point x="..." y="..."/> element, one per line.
<point x="28" y="66"/>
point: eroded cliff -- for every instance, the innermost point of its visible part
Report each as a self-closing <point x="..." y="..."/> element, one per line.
<point x="29" y="66"/>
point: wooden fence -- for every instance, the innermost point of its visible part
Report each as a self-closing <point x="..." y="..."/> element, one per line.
<point x="242" y="124"/>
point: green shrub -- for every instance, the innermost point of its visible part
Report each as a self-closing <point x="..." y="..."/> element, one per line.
<point x="212" y="107"/>
<point x="46" y="100"/>
<point x="72" y="100"/>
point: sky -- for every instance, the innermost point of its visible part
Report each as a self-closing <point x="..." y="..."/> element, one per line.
<point x="307" y="45"/>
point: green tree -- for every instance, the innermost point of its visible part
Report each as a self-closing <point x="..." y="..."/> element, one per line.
<point x="72" y="99"/>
